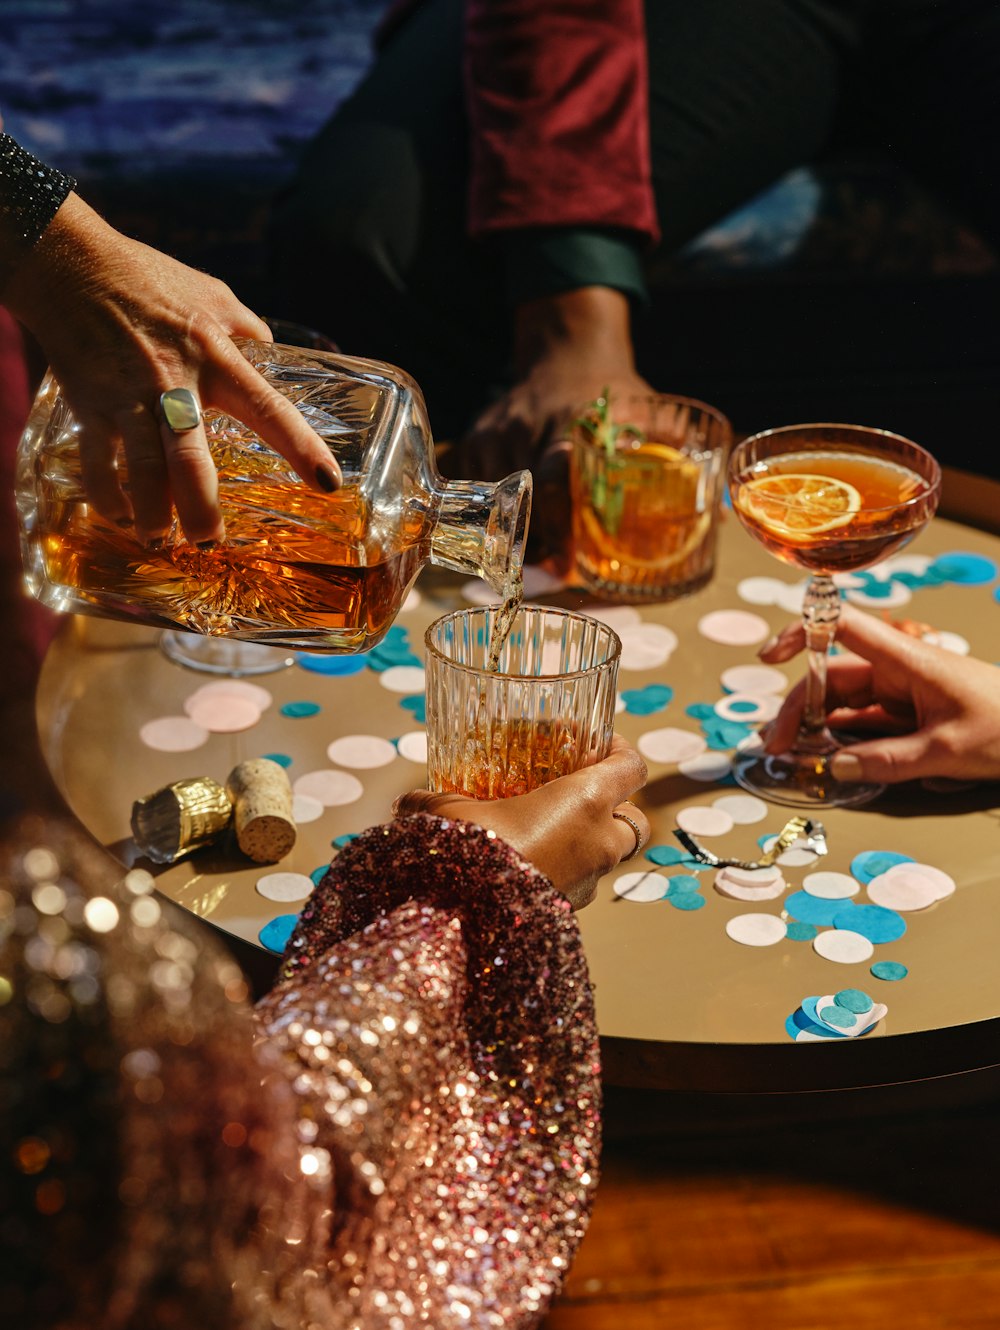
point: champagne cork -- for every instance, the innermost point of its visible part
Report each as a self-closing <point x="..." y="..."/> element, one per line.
<point x="262" y="806"/>
<point x="180" y="818"/>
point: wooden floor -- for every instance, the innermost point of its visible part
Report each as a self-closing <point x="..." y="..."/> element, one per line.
<point x="843" y="1213"/>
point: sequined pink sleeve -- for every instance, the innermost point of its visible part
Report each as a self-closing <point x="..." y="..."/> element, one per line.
<point x="436" y="1021"/>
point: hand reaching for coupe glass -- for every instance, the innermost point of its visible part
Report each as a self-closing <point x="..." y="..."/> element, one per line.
<point x="933" y="714"/>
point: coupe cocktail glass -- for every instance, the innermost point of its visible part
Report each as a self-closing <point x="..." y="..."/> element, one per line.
<point x="829" y="499"/>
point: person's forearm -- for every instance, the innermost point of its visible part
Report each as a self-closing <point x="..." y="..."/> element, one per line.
<point x="594" y="318"/>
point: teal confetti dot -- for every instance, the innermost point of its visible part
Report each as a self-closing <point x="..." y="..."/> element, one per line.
<point x="274" y="936"/>
<point x="837" y="1016"/>
<point x="891" y="971"/>
<point x="341" y="841"/>
<point x="742" y="706"/>
<point x="282" y="759"/>
<point x="966" y="569"/>
<point x="330" y="665"/>
<point x="805" y="1019"/>
<point x="683" y="883"/>
<point x="416" y="703"/>
<point x="854" y="1000"/>
<point x="874" y="922"/>
<point x="666" y="855"/>
<point x="685" y="900"/>
<point x="318" y="874"/>
<point x="700" y="710"/>
<point x="647" y="701"/>
<point x="814" y="910"/>
<point x="800" y="932"/>
<point x="871" y="863"/>
<point x="300" y="710"/>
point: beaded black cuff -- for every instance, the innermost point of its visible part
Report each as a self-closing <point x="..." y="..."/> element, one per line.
<point x="30" y="196"/>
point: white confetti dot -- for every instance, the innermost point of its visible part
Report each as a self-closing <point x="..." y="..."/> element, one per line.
<point x="670" y="745"/>
<point x="736" y="706"/>
<point x="412" y="601"/>
<point x="707" y="766"/>
<point x="539" y="581"/>
<point x="619" y="704"/>
<point x="733" y="627"/>
<point x="792" y="597"/>
<point x="753" y="679"/>
<point x="250" y="692"/>
<point x="843" y="946"/>
<point x="173" y="734"/>
<point x="413" y="746"/>
<point x="284" y="886"/>
<point x="477" y="592"/>
<point x="904" y="563"/>
<point x="331" y="788"/>
<point x="617" y="617"/>
<point x="648" y="886"/>
<point x="744" y="809"/>
<point x="224" y="714"/>
<point x="305" y="808"/>
<point x="362" y="752"/>
<point x="646" y="646"/>
<point x="701" y="821"/>
<point x="829" y="886"/>
<point x="403" y="678"/>
<point x="760" y="590"/>
<point x="756" y="930"/>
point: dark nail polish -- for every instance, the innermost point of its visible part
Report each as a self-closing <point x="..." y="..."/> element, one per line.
<point x="326" y="479"/>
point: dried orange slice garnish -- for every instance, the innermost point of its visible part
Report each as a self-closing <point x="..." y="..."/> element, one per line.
<point x="799" y="504"/>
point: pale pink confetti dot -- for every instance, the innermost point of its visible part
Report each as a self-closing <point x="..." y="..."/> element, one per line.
<point x="737" y="628"/>
<point x="753" y="743"/>
<point x="830" y="886"/>
<point x="615" y="616"/>
<point x="478" y="593"/>
<point x="362" y="752"/>
<point x="899" y="594"/>
<point x="331" y="788"/>
<point x="173" y="734"/>
<point x="768" y="888"/>
<point x="403" y="679"/>
<point x="755" y="679"/>
<point x="952" y="642"/>
<point x="847" y="580"/>
<point x="744" y="809"/>
<point x="646" y="646"/>
<point x="755" y="877"/>
<point x="284" y="886"/>
<point x="905" y="563"/>
<point x="943" y="883"/>
<point x="647" y="886"/>
<point x="843" y="946"/>
<point x="759" y="590"/>
<point x="707" y="766"/>
<point x="251" y="692"/>
<point x="412" y="601"/>
<point x="225" y="714"/>
<point x="670" y="745"/>
<point x="701" y="821"/>
<point x="903" y="891"/>
<point x="619" y="704"/>
<point x="734" y="707"/>
<point x="305" y="808"/>
<point x="538" y="581"/>
<point x="413" y="746"/>
<point x="863" y="1021"/>
<point x="792" y="597"/>
<point x="756" y="930"/>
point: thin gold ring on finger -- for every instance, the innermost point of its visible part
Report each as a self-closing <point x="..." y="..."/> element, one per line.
<point x="180" y="410"/>
<point x="636" y="831"/>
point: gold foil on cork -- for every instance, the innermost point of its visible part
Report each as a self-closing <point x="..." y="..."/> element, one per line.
<point x="180" y="818"/>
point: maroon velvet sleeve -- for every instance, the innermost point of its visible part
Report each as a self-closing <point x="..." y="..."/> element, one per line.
<point x="559" y="118"/>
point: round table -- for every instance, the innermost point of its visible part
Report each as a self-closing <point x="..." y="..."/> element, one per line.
<point x="680" y="1005"/>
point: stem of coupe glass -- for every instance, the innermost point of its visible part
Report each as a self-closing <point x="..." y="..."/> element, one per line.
<point x="820" y="612"/>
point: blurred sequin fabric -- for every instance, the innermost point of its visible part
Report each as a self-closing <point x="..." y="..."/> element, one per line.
<point x="410" y="1139"/>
